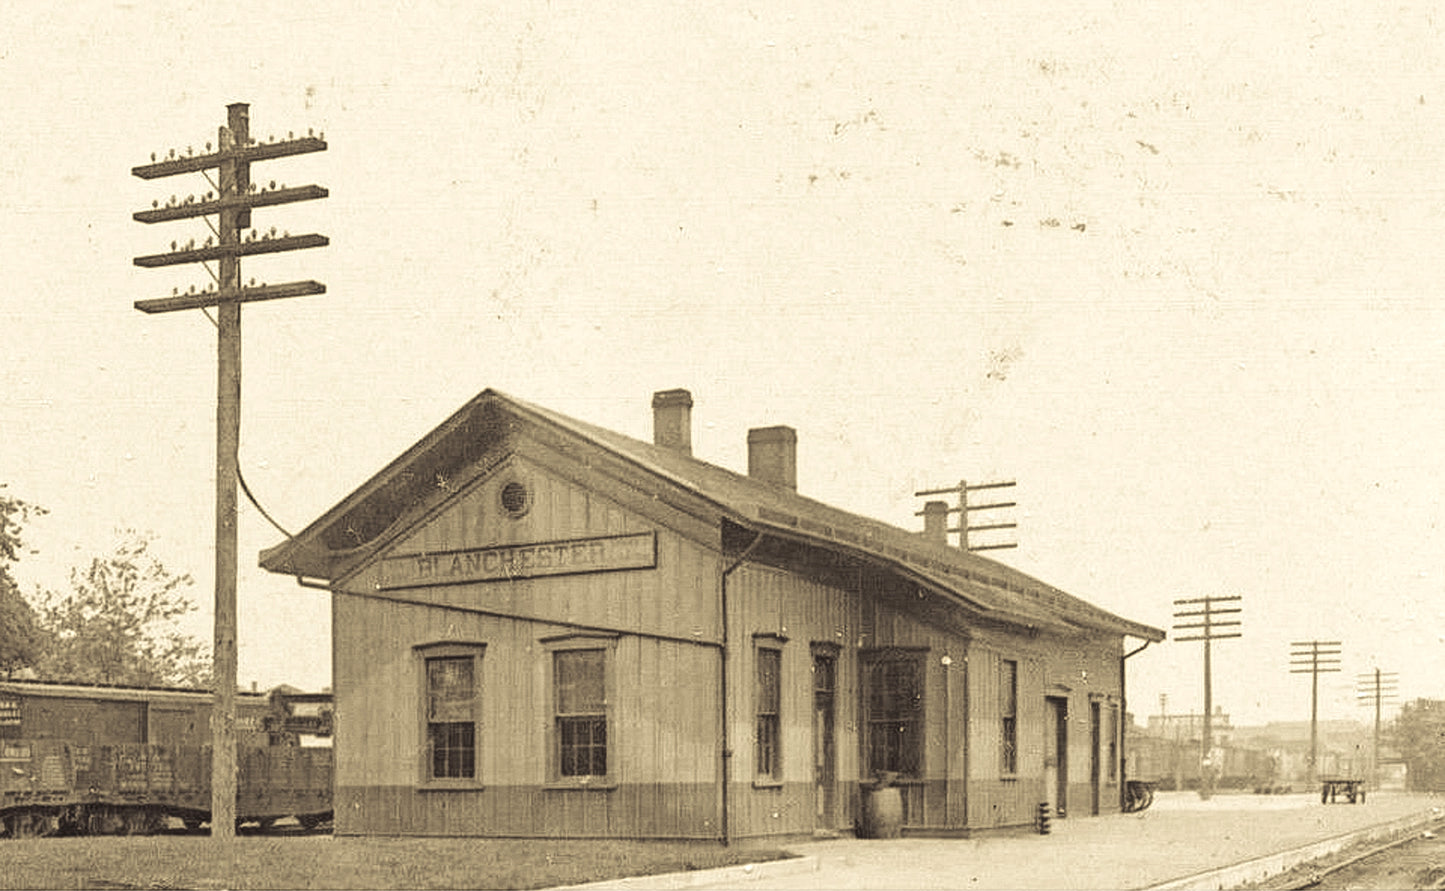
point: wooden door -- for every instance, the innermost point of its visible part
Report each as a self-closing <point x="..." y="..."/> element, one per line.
<point x="1095" y="739"/>
<point x="825" y="673"/>
<point x="1056" y="754"/>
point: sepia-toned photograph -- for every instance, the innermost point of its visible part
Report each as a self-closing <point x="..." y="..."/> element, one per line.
<point x="540" y="444"/>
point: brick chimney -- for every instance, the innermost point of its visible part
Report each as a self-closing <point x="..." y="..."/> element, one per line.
<point x="773" y="456"/>
<point x="935" y="522"/>
<point x="672" y="420"/>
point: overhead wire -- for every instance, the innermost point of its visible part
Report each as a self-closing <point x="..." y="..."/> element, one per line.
<point x="240" y="476"/>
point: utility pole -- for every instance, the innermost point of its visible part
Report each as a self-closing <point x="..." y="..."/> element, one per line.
<point x="964" y="509"/>
<point x="234" y="197"/>
<point x="1376" y="687"/>
<point x="1203" y="624"/>
<point x="1164" y="729"/>
<point x="1314" y="658"/>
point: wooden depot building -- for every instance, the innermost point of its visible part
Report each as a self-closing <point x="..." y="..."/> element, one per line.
<point x="542" y="628"/>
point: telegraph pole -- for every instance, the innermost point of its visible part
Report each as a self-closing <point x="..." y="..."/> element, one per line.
<point x="235" y="196"/>
<point x="964" y="509"/>
<point x="1376" y="687"/>
<point x="1164" y="728"/>
<point x="1314" y="658"/>
<point x="1204" y="626"/>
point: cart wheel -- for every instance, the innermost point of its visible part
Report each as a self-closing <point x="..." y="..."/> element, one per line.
<point x="310" y="821"/>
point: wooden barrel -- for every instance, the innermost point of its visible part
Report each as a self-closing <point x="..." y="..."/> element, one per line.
<point x="882" y="812"/>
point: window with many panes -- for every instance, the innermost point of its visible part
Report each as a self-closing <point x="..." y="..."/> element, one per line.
<point x="768" y="698"/>
<point x="1008" y="709"/>
<point x="579" y="681"/>
<point x="451" y="706"/>
<point x="893" y="712"/>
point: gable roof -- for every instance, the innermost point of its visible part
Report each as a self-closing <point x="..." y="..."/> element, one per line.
<point x="985" y="585"/>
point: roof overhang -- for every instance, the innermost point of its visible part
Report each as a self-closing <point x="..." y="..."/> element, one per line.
<point x="358" y="525"/>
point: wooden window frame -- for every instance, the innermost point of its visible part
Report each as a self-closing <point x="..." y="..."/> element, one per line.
<point x="917" y="657"/>
<point x="1008" y="710"/>
<point x="767" y="721"/>
<point x="422" y="655"/>
<point x="607" y="645"/>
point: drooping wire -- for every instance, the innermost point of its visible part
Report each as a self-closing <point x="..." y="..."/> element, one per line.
<point x="240" y="477"/>
<point x="256" y="504"/>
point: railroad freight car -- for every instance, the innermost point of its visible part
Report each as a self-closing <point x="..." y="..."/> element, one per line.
<point x="95" y="759"/>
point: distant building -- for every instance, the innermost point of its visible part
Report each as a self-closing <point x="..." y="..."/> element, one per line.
<point x="1342" y="734"/>
<point x="544" y="628"/>
<point x="1345" y="746"/>
<point x="1168" y="749"/>
<point x="1191" y="726"/>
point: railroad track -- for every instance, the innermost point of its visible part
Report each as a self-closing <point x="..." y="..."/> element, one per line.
<point x="1416" y="857"/>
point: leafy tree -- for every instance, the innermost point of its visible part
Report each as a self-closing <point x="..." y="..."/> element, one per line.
<point x="20" y="639"/>
<point x="1419" y="736"/>
<point x="118" y="623"/>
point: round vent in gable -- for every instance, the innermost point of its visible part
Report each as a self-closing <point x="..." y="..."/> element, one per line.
<point x="516" y="499"/>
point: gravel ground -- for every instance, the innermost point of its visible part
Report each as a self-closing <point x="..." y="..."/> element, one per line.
<point x="1417" y="862"/>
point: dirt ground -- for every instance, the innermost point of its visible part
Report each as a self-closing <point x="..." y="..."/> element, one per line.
<point x="321" y="861"/>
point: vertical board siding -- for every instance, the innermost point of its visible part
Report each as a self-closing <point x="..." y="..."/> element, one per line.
<point x="679" y="597"/>
<point x="800" y="611"/>
<point x="1031" y="717"/>
<point x="867" y="614"/>
<point x="662" y="741"/>
<point x="995" y="799"/>
<point x="665" y="713"/>
<point x="998" y="803"/>
<point x="1080" y="669"/>
<point x="664" y="700"/>
<point x="1089" y="668"/>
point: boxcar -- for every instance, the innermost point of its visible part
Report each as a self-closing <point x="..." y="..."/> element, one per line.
<point x="97" y="759"/>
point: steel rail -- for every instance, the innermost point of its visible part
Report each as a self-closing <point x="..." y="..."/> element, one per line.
<point x="1318" y="875"/>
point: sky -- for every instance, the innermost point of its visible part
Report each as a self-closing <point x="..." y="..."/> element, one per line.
<point x="1171" y="268"/>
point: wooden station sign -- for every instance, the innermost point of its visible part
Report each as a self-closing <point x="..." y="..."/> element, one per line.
<point x="604" y="554"/>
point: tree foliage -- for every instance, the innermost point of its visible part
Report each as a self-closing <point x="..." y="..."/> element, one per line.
<point x="20" y="637"/>
<point x="118" y="623"/>
<point x="1419" y="736"/>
